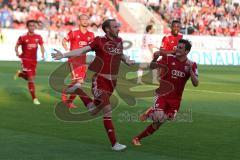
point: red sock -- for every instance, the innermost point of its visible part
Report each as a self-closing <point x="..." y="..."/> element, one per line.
<point x="31" y="89"/>
<point x="84" y="97"/>
<point x="107" y="121"/>
<point x="23" y="75"/>
<point x="72" y="97"/>
<point x="147" y="132"/>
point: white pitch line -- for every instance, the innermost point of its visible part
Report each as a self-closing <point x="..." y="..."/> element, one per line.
<point x="209" y="91"/>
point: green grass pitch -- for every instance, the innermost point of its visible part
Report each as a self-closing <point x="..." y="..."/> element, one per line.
<point x="31" y="132"/>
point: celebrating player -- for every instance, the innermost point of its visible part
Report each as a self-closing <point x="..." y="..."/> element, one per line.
<point x="178" y="69"/>
<point x="109" y="54"/>
<point x="77" y="39"/>
<point x="170" y="41"/>
<point x="29" y="43"/>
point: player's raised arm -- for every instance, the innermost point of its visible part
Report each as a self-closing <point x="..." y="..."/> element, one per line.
<point x="193" y="73"/>
<point x="153" y="64"/>
<point x="194" y="78"/>
<point x="77" y="52"/>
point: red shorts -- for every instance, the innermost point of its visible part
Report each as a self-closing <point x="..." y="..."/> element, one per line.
<point x="170" y="106"/>
<point x="102" y="88"/>
<point x="29" y="66"/>
<point x="78" y="71"/>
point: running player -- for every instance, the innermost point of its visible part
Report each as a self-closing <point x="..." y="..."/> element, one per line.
<point x="109" y="54"/>
<point x="170" y="41"/>
<point x="176" y="70"/>
<point x="29" y="43"/>
<point x="77" y="38"/>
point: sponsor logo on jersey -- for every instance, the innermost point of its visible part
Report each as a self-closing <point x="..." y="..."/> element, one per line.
<point x="82" y="43"/>
<point x="113" y="48"/>
<point x="31" y="46"/>
<point x="177" y="73"/>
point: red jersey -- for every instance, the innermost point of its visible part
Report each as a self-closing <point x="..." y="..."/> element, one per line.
<point x="175" y="76"/>
<point x="29" y="45"/>
<point x="78" y="40"/>
<point x="170" y="42"/>
<point x="108" y="55"/>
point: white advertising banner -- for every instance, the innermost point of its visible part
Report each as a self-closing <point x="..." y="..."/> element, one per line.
<point x="206" y="50"/>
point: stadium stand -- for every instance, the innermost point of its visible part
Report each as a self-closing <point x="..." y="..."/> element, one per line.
<point x="198" y="17"/>
<point x="55" y="14"/>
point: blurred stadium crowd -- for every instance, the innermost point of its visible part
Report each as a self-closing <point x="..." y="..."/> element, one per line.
<point x="198" y="17"/>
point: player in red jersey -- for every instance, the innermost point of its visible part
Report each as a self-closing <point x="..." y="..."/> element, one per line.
<point x="170" y="41"/>
<point x="109" y="54"/>
<point x="29" y="43"/>
<point x="77" y="39"/>
<point x="178" y="69"/>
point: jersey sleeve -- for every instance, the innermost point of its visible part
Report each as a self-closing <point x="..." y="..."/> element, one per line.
<point x="69" y="36"/>
<point x="40" y="40"/>
<point x="20" y="40"/>
<point x="164" y="43"/>
<point x="95" y="43"/>
<point x="195" y="69"/>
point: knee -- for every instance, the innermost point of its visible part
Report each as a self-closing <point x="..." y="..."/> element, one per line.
<point x="159" y="117"/>
<point x="107" y="111"/>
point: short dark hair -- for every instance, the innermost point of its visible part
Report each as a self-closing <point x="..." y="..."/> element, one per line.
<point x="106" y="24"/>
<point x="187" y="43"/>
<point x="175" y="21"/>
<point x="149" y="27"/>
<point x="30" y="21"/>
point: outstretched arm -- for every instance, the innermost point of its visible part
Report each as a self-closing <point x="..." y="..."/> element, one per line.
<point x="126" y="60"/>
<point x="77" y="52"/>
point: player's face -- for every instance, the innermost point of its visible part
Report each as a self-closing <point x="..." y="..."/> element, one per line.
<point x="176" y="28"/>
<point x="180" y="51"/>
<point x="84" y="21"/>
<point x="114" y="29"/>
<point x="31" y="27"/>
